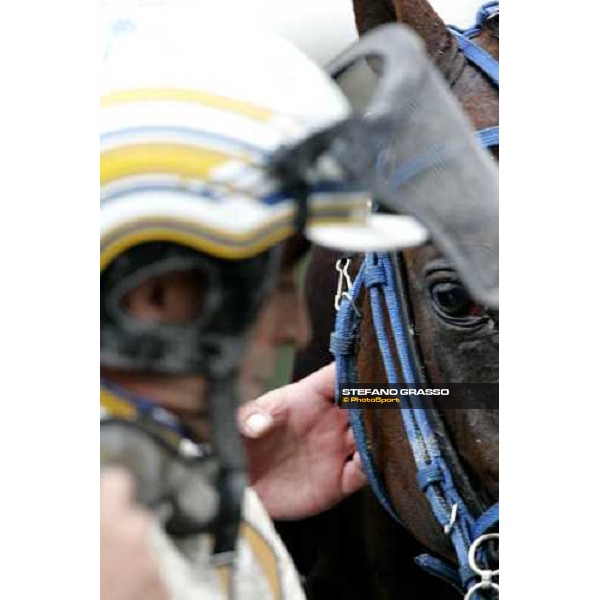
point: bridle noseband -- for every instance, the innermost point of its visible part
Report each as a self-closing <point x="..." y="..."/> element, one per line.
<point x="380" y="277"/>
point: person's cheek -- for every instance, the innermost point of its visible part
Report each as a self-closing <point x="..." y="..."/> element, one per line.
<point x="260" y="358"/>
<point x="293" y="325"/>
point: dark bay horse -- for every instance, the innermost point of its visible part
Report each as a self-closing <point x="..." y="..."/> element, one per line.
<point x="458" y="342"/>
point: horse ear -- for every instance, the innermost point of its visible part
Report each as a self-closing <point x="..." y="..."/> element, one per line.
<point x="417" y="14"/>
<point x="369" y="14"/>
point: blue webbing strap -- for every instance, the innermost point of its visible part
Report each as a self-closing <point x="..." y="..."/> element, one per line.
<point x="343" y="346"/>
<point x="438" y="568"/>
<point x="378" y="275"/>
<point x="475" y="54"/>
<point x="487" y="11"/>
<point x="486" y="521"/>
<point x="478" y="56"/>
<point x="489" y="136"/>
<point x="433" y="474"/>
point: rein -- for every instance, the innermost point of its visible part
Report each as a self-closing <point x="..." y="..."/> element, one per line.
<point x="380" y="277"/>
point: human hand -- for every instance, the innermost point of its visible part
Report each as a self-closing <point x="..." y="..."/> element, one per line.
<point x="302" y="458"/>
<point x="128" y="567"/>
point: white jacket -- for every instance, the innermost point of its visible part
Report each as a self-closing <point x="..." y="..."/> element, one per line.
<point x="263" y="569"/>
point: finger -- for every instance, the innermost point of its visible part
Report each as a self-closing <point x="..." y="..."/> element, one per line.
<point x="254" y="423"/>
<point x="259" y="417"/>
<point x="117" y="489"/>
<point x="322" y="381"/>
<point x="137" y="527"/>
<point x="349" y="444"/>
<point x="353" y="477"/>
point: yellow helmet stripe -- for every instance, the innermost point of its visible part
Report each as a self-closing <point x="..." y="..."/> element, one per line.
<point x="220" y="250"/>
<point x="181" y="95"/>
<point x="218" y="242"/>
<point x="177" y="159"/>
<point x="115" y="406"/>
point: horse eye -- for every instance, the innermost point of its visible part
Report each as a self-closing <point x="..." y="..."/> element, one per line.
<point x="452" y="302"/>
<point x="452" y="299"/>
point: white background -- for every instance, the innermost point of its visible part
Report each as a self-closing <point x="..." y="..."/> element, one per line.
<point x="49" y="300"/>
<point x="323" y="28"/>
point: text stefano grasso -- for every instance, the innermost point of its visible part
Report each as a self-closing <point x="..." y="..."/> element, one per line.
<point x="406" y="391"/>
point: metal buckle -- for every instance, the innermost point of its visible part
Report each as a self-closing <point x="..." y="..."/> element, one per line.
<point x="486" y="575"/>
<point x="493" y="13"/>
<point x="489" y="12"/>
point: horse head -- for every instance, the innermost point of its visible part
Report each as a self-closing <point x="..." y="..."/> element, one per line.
<point x="456" y="338"/>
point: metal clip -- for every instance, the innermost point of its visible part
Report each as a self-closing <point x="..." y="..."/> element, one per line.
<point x="341" y="266"/>
<point x="492" y="12"/>
<point x="486" y="575"/>
<point x="449" y="526"/>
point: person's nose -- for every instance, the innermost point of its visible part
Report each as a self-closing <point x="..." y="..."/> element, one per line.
<point x="293" y="327"/>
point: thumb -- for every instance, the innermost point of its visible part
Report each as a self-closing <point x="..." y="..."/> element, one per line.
<point x="117" y="489"/>
<point x="259" y="417"/>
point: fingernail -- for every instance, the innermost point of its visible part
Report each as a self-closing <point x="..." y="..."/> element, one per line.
<point x="256" y="424"/>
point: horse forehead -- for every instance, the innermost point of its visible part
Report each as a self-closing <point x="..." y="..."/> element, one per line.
<point x="457" y="12"/>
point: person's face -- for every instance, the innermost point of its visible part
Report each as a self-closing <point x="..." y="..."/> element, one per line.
<point x="283" y="320"/>
<point x="174" y="298"/>
<point x="169" y="298"/>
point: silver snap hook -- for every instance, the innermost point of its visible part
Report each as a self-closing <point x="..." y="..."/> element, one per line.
<point x="341" y="266"/>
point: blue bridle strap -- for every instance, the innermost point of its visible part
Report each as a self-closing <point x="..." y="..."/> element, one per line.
<point x="486" y="521"/>
<point x="343" y="345"/>
<point x="378" y="276"/>
<point x="477" y="56"/>
<point x="438" y="568"/>
<point x="433" y="474"/>
<point x="489" y="136"/>
<point x="486" y="11"/>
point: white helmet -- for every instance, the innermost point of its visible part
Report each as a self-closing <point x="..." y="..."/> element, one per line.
<point x="192" y="110"/>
